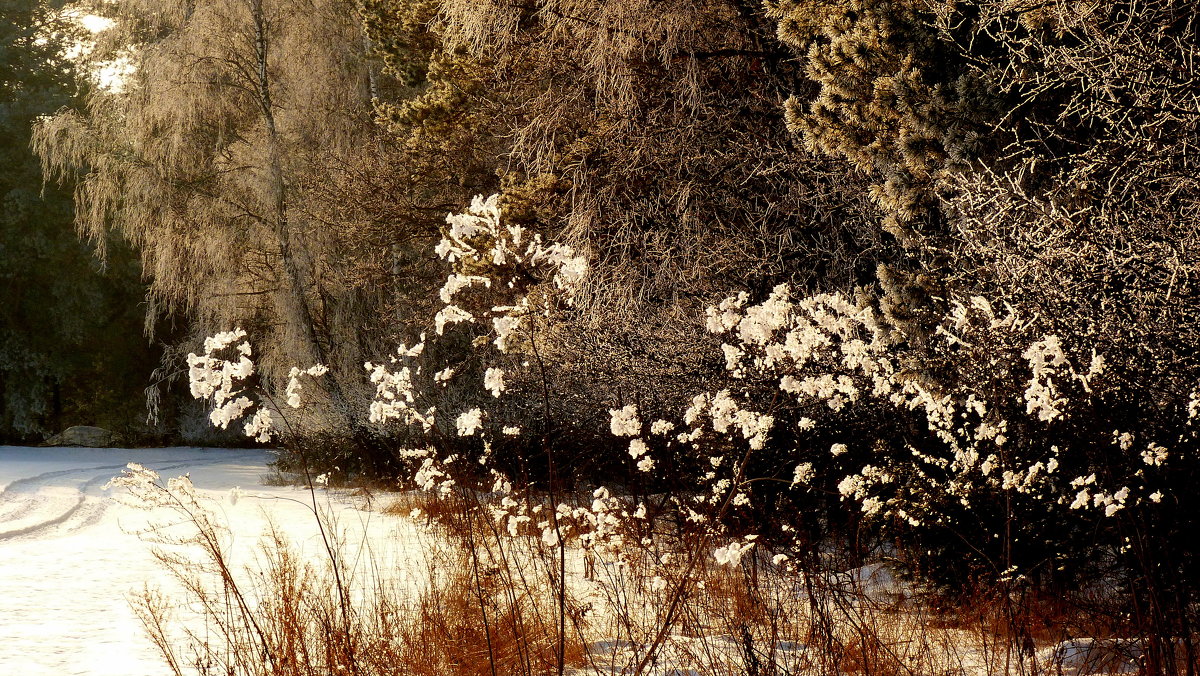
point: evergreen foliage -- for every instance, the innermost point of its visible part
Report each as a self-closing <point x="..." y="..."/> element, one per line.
<point x="70" y="347"/>
<point x="894" y="99"/>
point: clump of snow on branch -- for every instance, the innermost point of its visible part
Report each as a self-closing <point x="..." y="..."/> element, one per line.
<point x="294" y="386"/>
<point x="493" y="381"/>
<point x="624" y="421"/>
<point x="396" y="393"/>
<point x="732" y="553"/>
<point x="220" y="374"/>
<point x="469" y="422"/>
<point x="218" y="379"/>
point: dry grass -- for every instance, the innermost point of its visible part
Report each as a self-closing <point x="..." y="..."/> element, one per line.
<point x="471" y="611"/>
<point x="488" y="603"/>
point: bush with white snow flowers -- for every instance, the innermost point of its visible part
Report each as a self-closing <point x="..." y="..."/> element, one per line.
<point x="497" y="267"/>
<point x="491" y="254"/>
<point x="987" y="431"/>
<point x="994" y="421"/>
<point x="802" y="371"/>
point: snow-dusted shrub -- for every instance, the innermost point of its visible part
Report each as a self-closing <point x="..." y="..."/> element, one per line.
<point x="988" y="448"/>
<point x="450" y="389"/>
<point x="993" y="423"/>
<point x="504" y="281"/>
<point x="489" y="254"/>
<point x="994" y="438"/>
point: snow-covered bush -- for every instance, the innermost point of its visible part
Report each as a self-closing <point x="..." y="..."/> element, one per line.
<point x="487" y="253"/>
<point x="993" y="423"/>
<point x="990" y="444"/>
<point x="988" y="447"/>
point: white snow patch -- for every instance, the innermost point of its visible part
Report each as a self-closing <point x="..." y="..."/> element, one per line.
<point x="69" y="561"/>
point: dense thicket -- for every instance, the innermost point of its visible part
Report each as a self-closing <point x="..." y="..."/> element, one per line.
<point x="1035" y="154"/>
<point x="651" y="137"/>
<point x="997" y="199"/>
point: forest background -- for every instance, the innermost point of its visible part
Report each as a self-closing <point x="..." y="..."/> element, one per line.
<point x="997" y="199"/>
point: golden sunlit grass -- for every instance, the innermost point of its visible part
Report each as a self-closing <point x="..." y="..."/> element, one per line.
<point x="486" y="603"/>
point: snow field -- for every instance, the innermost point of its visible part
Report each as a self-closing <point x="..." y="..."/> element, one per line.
<point x="71" y="558"/>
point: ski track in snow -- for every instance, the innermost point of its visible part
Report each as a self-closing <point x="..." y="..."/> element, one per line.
<point x="22" y="497"/>
<point x="70" y="560"/>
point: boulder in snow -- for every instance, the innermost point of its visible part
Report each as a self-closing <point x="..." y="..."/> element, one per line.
<point x="86" y="436"/>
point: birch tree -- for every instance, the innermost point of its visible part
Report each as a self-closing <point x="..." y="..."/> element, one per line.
<point x="201" y="155"/>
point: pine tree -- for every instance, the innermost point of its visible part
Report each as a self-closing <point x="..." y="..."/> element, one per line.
<point x="893" y="99"/>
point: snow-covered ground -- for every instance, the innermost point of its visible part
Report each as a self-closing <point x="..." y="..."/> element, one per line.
<point x="70" y="557"/>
